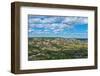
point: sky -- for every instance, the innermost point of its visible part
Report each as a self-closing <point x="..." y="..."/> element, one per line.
<point x="57" y="26"/>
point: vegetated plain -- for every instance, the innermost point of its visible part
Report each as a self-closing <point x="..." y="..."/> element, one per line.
<point x="52" y="48"/>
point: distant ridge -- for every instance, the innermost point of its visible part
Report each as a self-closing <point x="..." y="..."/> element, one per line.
<point x="60" y="37"/>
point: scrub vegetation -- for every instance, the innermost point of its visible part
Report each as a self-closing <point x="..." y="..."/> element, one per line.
<point x="52" y="48"/>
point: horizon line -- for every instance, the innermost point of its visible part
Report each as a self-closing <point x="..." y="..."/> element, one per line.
<point x="63" y="37"/>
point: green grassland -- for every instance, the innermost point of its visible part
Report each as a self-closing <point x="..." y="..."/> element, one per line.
<point x="51" y="48"/>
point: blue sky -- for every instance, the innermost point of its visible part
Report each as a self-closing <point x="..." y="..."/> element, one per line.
<point x="57" y="26"/>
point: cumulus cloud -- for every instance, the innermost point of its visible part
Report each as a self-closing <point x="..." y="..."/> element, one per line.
<point x="50" y="26"/>
<point x="30" y="30"/>
<point x="58" y="19"/>
<point x="45" y="20"/>
<point x="56" y="31"/>
<point x="75" y="20"/>
<point x="55" y="24"/>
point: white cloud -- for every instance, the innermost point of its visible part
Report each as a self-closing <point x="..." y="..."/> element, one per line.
<point x="73" y="20"/>
<point x="61" y="19"/>
<point x="30" y="30"/>
<point x="55" y="24"/>
<point x="36" y="25"/>
<point x="57" y="31"/>
<point x="34" y="20"/>
<point x="46" y="30"/>
<point x="45" y="20"/>
<point x="50" y="26"/>
<point x="76" y="33"/>
<point x="51" y="22"/>
<point x="39" y="32"/>
<point x="85" y="20"/>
